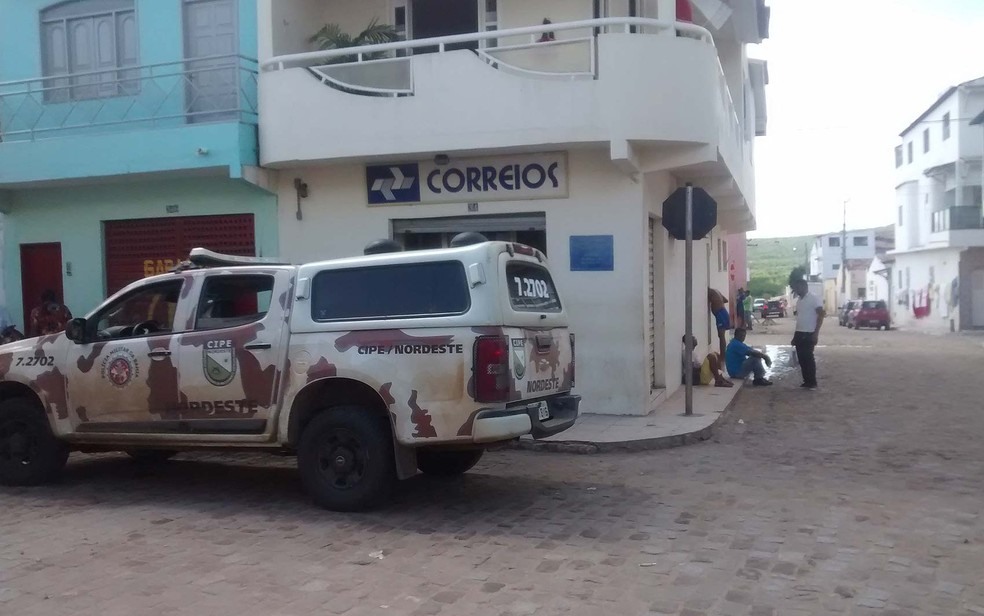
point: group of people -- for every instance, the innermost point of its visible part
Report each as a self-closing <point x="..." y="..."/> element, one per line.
<point x="742" y="361"/>
<point x="49" y="317"/>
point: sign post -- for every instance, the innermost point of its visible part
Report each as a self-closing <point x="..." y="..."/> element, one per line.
<point x="689" y="294"/>
<point x="688" y="214"/>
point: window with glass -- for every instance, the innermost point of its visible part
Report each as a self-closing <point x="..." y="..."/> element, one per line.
<point x="228" y="301"/>
<point x="146" y="311"/>
<point x="926" y="140"/>
<point x="946" y="126"/>
<point x="834" y="242"/>
<point x="87" y="47"/>
<point x="861" y="240"/>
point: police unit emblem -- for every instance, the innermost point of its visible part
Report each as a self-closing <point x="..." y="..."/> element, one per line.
<point x="120" y="367"/>
<point x="519" y="357"/>
<point x="219" y="362"/>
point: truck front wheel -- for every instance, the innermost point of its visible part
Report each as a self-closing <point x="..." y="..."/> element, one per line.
<point x="29" y="453"/>
<point x="447" y="463"/>
<point x="345" y="459"/>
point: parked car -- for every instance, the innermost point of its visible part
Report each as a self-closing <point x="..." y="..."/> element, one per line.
<point x="773" y="308"/>
<point x="757" y="304"/>
<point x="872" y="313"/>
<point x="368" y="369"/>
<point x="845" y="310"/>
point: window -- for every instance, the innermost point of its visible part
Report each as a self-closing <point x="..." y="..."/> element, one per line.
<point x="908" y="279"/>
<point x="84" y="46"/>
<point x="932" y="274"/>
<point x="861" y="240"/>
<point x="146" y="311"/>
<point x="900" y="279"/>
<point x="391" y="292"/>
<point x="873" y="304"/>
<point x="834" y="242"/>
<point x="531" y="289"/>
<point x="926" y="140"/>
<point x="900" y="215"/>
<point x="862" y="292"/>
<point x="946" y="126"/>
<point x="836" y="266"/>
<point x="898" y="156"/>
<point x="908" y="148"/>
<point x="228" y="301"/>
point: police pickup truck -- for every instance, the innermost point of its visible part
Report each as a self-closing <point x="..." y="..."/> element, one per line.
<point x="367" y="368"/>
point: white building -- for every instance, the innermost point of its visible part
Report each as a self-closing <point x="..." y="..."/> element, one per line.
<point x="877" y="278"/>
<point x="939" y="257"/>
<point x="827" y="253"/>
<point x="567" y="137"/>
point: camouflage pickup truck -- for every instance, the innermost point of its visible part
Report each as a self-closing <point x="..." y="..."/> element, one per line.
<point x="367" y="368"/>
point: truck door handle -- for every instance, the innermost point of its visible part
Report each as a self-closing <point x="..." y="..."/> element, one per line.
<point x="157" y="354"/>
<point x="258" y="346"/>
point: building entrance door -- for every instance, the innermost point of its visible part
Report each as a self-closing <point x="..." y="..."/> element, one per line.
<point x="426" y="233"/>
<point x="41" y="270"/>
<point x="443" y="18"/>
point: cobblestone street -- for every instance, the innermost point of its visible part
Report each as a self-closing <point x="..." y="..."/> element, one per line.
<point x="861" y="498"/>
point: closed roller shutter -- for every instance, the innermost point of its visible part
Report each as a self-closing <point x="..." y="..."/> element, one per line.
<point x="143" y="247"/>
<point x="653" y="380"/>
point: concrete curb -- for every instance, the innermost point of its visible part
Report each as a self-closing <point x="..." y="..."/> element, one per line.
<point x="648" y="444"/>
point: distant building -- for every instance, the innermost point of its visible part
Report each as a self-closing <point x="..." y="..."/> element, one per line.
<point x="860" y="247"/>
<point x="938" y="278"/>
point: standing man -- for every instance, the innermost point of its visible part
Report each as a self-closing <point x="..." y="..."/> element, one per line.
<point x="717" y="302"/>
<point x="747" y="310"/>
<point x="809" y="320"/>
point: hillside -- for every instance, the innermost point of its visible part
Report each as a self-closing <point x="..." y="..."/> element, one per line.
<point x="771" y="259"/>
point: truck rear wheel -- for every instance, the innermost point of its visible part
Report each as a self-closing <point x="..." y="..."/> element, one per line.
<point x="345" y="459"/>
<point x="29" y="453"/>
<point x="447" y="463"/>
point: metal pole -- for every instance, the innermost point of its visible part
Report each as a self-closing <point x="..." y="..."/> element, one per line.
<point x="844" y="255"/>
<point x="689" y="294"/>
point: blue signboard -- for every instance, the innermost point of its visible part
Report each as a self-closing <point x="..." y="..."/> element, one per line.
<point x="592" y="253"/>
<point x="387" y="184"/>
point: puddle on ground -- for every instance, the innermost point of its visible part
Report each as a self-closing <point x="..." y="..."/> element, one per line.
<point x="782" y="360"/>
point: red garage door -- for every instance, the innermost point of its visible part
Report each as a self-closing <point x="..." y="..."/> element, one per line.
<point x="144" y="247"/>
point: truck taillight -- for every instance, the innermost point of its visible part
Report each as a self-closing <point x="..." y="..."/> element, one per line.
<point x="491" y="369"/>
<point x="573" y="364"/>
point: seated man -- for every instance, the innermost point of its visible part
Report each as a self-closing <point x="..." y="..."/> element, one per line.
<point x="717" y="302"/>
<point x="707" y="371"/>
<point x="743" y="360"/>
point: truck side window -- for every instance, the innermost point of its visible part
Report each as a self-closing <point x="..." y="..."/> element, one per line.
<point x="228" y="301"/>
<point x="153" y="306"/>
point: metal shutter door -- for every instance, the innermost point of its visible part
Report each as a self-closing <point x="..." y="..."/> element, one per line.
<point x="652" y="305"/>
<point x="131" y="244"/>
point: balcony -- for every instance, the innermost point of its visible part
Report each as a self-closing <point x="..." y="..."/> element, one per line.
<point x="958" y="226"/>
<point x="199" y="114"/>
<point x="655" y="87"/>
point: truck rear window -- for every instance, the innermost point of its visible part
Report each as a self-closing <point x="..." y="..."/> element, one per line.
<point x="390" y="292"/>
<point x="531" y="288"/>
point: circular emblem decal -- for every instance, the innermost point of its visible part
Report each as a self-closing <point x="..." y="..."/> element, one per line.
<point x="120" y="367"/>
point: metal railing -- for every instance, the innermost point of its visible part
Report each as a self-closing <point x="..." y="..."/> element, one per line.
<point x="200" y="90"/>
<point x="957" y="218"/>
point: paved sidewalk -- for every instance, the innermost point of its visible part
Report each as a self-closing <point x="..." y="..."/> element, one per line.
<point x="665" y="427"/>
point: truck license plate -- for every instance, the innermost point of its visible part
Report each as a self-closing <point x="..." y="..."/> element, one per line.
<point x="543" y="411"/>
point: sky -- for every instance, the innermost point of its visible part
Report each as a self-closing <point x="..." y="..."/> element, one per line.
<point x="845" y="78"/>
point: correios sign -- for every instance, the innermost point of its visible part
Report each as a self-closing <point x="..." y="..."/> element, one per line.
<point x="465" y="180"/>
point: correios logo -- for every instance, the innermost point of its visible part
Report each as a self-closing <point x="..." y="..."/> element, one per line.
<point x="494" y="178"/>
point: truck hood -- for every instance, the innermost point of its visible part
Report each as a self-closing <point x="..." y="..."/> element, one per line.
<point x="27" y="344"/>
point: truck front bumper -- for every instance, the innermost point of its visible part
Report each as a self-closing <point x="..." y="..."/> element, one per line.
<point x="516" y="421"/>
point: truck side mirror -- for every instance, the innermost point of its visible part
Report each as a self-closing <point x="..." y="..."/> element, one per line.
<point x="75" y="330"/>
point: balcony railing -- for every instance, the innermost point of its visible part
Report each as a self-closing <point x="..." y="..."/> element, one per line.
<point x="958" y="217"/>
<point x="199" y="90"/>
<point x="361" y="70"/>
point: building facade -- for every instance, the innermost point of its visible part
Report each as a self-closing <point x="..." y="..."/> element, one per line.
<point x="128" y="134"/>
<point x="938" y="275"/>
<point x="566" y="136"/>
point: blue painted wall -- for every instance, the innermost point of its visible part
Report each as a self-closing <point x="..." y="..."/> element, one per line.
<point x="118" y="149"/>
<point x="74" y="216"/>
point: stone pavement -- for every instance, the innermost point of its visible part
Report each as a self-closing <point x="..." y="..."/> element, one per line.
<point x="861" y="498"/>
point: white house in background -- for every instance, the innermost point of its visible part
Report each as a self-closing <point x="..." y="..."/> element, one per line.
<point x="567" y="137"/>
<point x="878" y="276"/>
<point x="938" y="276"/>
<point x="826" y="253"/>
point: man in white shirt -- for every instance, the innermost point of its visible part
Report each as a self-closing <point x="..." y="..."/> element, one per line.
<point x="809" y="320"/>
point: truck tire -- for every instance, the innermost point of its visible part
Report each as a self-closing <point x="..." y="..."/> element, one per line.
<point x="29" y="453"/>
<point x="447" y="463"/>
<point x="345" y="459"/>
<point x="151" y="456"/>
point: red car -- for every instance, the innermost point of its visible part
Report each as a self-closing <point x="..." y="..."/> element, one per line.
<point x="870" y="313"/>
